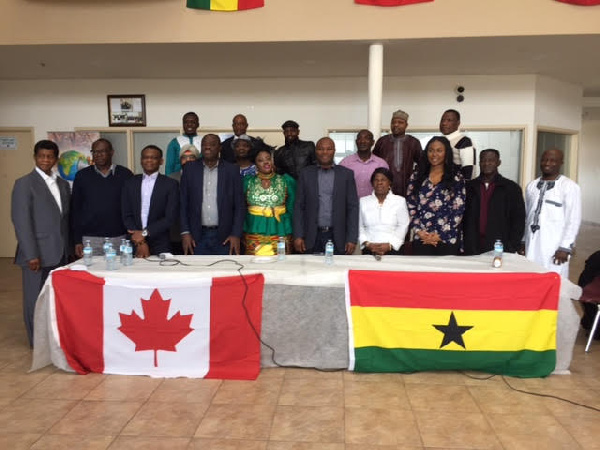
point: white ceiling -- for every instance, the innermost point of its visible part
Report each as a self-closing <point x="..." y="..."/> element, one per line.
<point x="568" y="58"/>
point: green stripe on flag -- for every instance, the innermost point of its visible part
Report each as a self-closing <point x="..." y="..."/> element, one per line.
<point x="198" y="4"/>
<point x="524" y="363"/>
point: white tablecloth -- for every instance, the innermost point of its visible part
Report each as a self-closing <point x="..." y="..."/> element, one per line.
<point x="304" y="316"/>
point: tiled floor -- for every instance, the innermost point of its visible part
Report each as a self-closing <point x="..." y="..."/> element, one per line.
<point x="290" y="409"/>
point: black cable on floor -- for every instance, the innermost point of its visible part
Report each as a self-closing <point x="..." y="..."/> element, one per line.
<point x="537" y="394"/>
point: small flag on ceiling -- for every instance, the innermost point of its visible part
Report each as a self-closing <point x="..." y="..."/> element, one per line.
<point x="389" y="2"/>
<point x="225" y="5"/>
<point x="581" y="2"/>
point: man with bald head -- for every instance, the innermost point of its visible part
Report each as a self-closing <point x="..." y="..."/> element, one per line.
<point x="239" y="125"/>
<point x="553" y="204"/>
<point x="212" y="203"/>
<point x="363" y="163"/>
<point x="326" y="205"/>
<point x="96" y="200"/>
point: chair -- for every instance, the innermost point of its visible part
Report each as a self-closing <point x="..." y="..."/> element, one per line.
<point x="591" y="294"/>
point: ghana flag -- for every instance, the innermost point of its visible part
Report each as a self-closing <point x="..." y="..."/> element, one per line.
<point x="502" y="323"/>
<point x="225" y="5"/>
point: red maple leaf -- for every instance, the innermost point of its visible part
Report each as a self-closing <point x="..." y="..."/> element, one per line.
<point x="155" y="331"/>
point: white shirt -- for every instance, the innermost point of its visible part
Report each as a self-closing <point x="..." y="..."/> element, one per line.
<point x="148" y="182"/>
<point x="52" y="186"/>
<point x="386" y="222"/>
<point x="559" y="221"/>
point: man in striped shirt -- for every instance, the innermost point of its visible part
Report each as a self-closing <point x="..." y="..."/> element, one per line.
<point x="462" y="148"/>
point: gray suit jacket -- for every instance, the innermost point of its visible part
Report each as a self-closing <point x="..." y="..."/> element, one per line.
<point x="42" y="230"/>
<point x="345" y="207"/>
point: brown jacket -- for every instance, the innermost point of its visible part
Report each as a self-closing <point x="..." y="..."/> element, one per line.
<point x="411" y="153"/>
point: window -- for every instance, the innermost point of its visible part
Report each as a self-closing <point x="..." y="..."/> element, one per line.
<point x="508" y="142"/>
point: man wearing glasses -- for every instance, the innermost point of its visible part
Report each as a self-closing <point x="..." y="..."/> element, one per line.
<point x="96" y="200"/>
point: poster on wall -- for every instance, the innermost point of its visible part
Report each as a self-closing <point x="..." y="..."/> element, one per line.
<point x="8" y="143"/>
<point x="75" y="151"/>
<point x="126" y="110"/>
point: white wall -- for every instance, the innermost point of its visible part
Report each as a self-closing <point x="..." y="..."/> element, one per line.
<point x="64" y="104"/>
<point x="558" y="104"/>
<point x="589" y="165"/>
<point x="489" y="100"/>
<point x="318" y="104"/>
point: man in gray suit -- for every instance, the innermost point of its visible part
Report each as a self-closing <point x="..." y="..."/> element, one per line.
<point x="326" y="205"/>
<point x="40" y="215"/>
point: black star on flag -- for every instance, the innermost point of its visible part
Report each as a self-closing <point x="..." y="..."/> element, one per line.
<point x="452" y="332"/>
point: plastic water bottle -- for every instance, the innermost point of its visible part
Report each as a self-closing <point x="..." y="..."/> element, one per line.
<point x="281" y="249"/>
<point x="122" y="250"/>
<point x="111" y="258"/>
<point x="329" y="253"/>
<point x="498" y="251"/>
<point x="88" y="253"/>
<point x="128" y="253"/>
<point x="106" y="246"/>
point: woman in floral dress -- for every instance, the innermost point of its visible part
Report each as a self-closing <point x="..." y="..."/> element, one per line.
<point x="270" y="199"/>
<point x="436" y="201"/>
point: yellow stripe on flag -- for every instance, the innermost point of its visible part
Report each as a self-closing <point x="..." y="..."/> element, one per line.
<point x="412" y="328"/>
<point x="224" y="5"/>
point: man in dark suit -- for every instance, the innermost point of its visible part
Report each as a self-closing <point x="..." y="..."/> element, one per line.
<point x="494" y="209"/>
<point x="150" y="205"/>
<point x="239" y="125"/>
<point x="326" y="205"/>
<point x="212" y="203"/>
<point x="40" y="215"/>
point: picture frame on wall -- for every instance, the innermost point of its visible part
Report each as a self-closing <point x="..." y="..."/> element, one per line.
<point x="126" y="110"/>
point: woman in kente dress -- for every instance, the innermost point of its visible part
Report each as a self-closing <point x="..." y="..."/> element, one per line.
<point x="270" y="199"/>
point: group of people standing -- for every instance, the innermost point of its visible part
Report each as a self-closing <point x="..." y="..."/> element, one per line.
<point x="240" y="195"/>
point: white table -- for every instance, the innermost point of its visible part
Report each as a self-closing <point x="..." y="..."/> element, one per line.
<point x="304" y="316"/>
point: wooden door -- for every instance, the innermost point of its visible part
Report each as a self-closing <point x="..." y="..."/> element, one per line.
<point x="16" y="160"/>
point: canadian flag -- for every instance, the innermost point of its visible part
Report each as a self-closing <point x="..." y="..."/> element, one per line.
<point x="201" y="327"/>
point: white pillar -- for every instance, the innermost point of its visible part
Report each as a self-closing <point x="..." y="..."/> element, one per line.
<point x="375" y="88"/>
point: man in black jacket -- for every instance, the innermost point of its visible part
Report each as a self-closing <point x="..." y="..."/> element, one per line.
<point x="239" y="125"/>
<point x="96" y="200"/>
<point x="494" y="209"/>
<point x="295" y="155"/>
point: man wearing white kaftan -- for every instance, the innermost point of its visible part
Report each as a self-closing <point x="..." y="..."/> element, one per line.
<point x="553" y="204"/>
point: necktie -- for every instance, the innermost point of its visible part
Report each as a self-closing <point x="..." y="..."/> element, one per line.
<point x="543" y="186"/>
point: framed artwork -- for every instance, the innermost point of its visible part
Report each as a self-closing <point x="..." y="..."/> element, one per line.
<point x="126" y="110"/>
